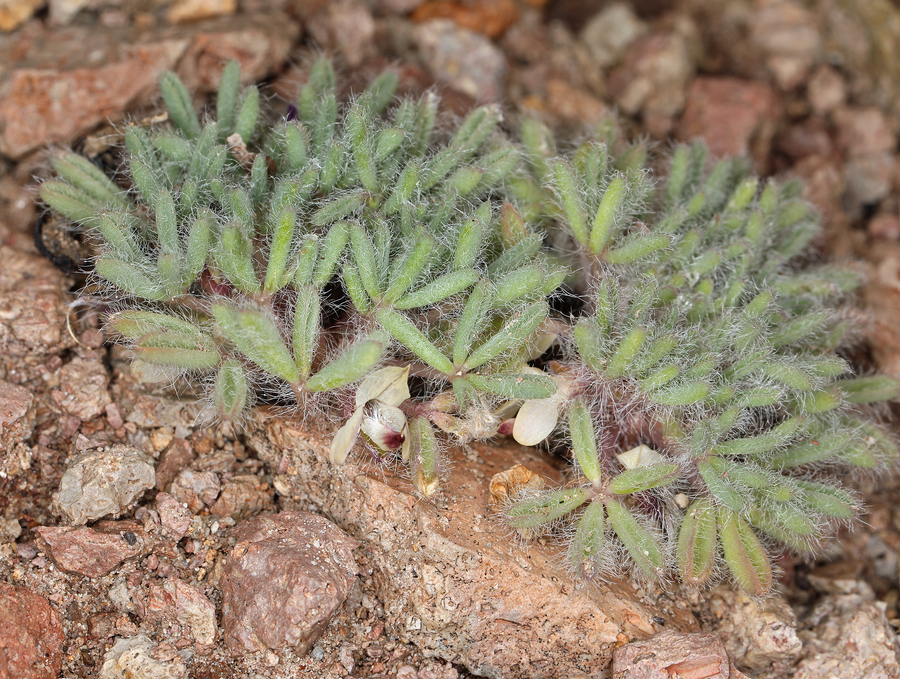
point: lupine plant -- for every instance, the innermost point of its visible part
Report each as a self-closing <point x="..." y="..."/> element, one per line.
<point x="667" y="327"/>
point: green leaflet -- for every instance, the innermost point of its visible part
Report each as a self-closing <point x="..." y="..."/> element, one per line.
<point x="536" y="512"/>
<point x="696" y="551"/>
<point x="643" y="547"/>
<point x="744" y="555"/>
<point x="257" y="337"/>
<point x="586" y="550"/>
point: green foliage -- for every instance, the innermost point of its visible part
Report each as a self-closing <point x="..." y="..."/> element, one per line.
<point x="696" y="374"/>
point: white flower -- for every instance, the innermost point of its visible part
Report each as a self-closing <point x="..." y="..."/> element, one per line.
<point x="537" y="418"/>
<point x="376" y="413"/>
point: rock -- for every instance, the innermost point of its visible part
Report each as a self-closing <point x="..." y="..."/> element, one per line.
<point x="607" y="34"/>
<point x="94" y="552"/>
<point x="400" y="6"/>
<point x="104" y="75"/>
<point x="9" y="530"/>
<point x="104" y="482"/>
<point x="670" y="654"/>
<point x="761" y="636"/>
<point x="806" y="138"/>
<point x="173" y="515"/>
<point x="260" y="41"/>
<point x="851" y="638"/>
<point x="155" y="411"/>
<point x="177" y="455"/>
<point x="884" y="225"/>
<point x="16" y="424"/>
<point x="175" y="602"/>
<point x="63" y="11"/>
<point x="13" y="13"/>
<point x="826" y="90"/>
<point x="82" y="390"/>
<point x="787" y="34"/>
<point x="864" y="132"/>
<point x="653" y="78"/>
<point x="31" y="636"/>
<point x="40" y="105"/>
<point x="186" y="11"/>
<point x="734" y="117"/>
<point x="346" y="26"/>
<point x="454" y="585"/>
<point x="196" y="489"/>
<point x="243" y="497"/>
<point x="867" y="179"/>
<point x="32" y="312"/>
<point x="130" y="658"/>
<point x="574" y="105"/>
<point x="283" y="580"/>
<point x="465" y="60"/>
<point x="490" y="17"/>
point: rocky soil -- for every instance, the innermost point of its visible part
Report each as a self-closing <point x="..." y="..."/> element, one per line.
<point x="135" y="542"/>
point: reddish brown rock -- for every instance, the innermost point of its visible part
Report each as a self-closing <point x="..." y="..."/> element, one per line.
<point x="31" y="637"/>
<point x="670" y="654"/>
<point x="283" y="581"/>
<point x="734" y="117"/>
<point x="807" y="138"/>
<point x="16" y="424"/>
<point x="884" y="225"/>
<point x="491" y="17"/>
<point x="196" y="489"/>
<point x="93" y="552"/>
<point x="242" y="497"/>
<point x="177" y="455"/>
<point x="45" y="105"/>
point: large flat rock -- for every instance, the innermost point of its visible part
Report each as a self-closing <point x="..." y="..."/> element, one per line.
<point x="454" y="582"/>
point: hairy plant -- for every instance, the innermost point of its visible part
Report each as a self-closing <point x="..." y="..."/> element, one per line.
<point x="353" y="257"/>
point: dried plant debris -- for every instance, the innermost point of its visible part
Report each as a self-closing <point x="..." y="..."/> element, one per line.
<point x="351" y="258"/>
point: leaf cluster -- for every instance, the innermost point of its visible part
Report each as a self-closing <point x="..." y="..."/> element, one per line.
<point x="696" y="372"/>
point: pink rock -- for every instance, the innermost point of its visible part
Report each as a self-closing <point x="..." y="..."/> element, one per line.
<point x="864" y="131"/>
<point x="669" y="654"/>
<point x="286" y="576"/>
<point x="93" y="553"/>
<point x="884" y="225"/>
<point x="733" y="116"/>
<point x="173" y="601"/>
<point x="31" y="637"/>
<point x="173" y="515"/>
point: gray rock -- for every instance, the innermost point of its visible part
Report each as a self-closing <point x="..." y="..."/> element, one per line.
<point x="284" y="579"/>
<point x="465" y="60"/>
<point x="103" y="482"/>
<point x="130" y="658"/>
<point x="196" y="489"/>
<point x="760" y="635"/>
<point x="867" y="179"/>
<point x="851" y="638"/>
<point x="82" y="389"/>
<point x="608" y="33"/>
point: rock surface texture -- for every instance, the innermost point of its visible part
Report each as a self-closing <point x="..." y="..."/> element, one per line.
<point x="30" y="635"/>
<point x="456" y="585"/>
<point x="283" y="580"/>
